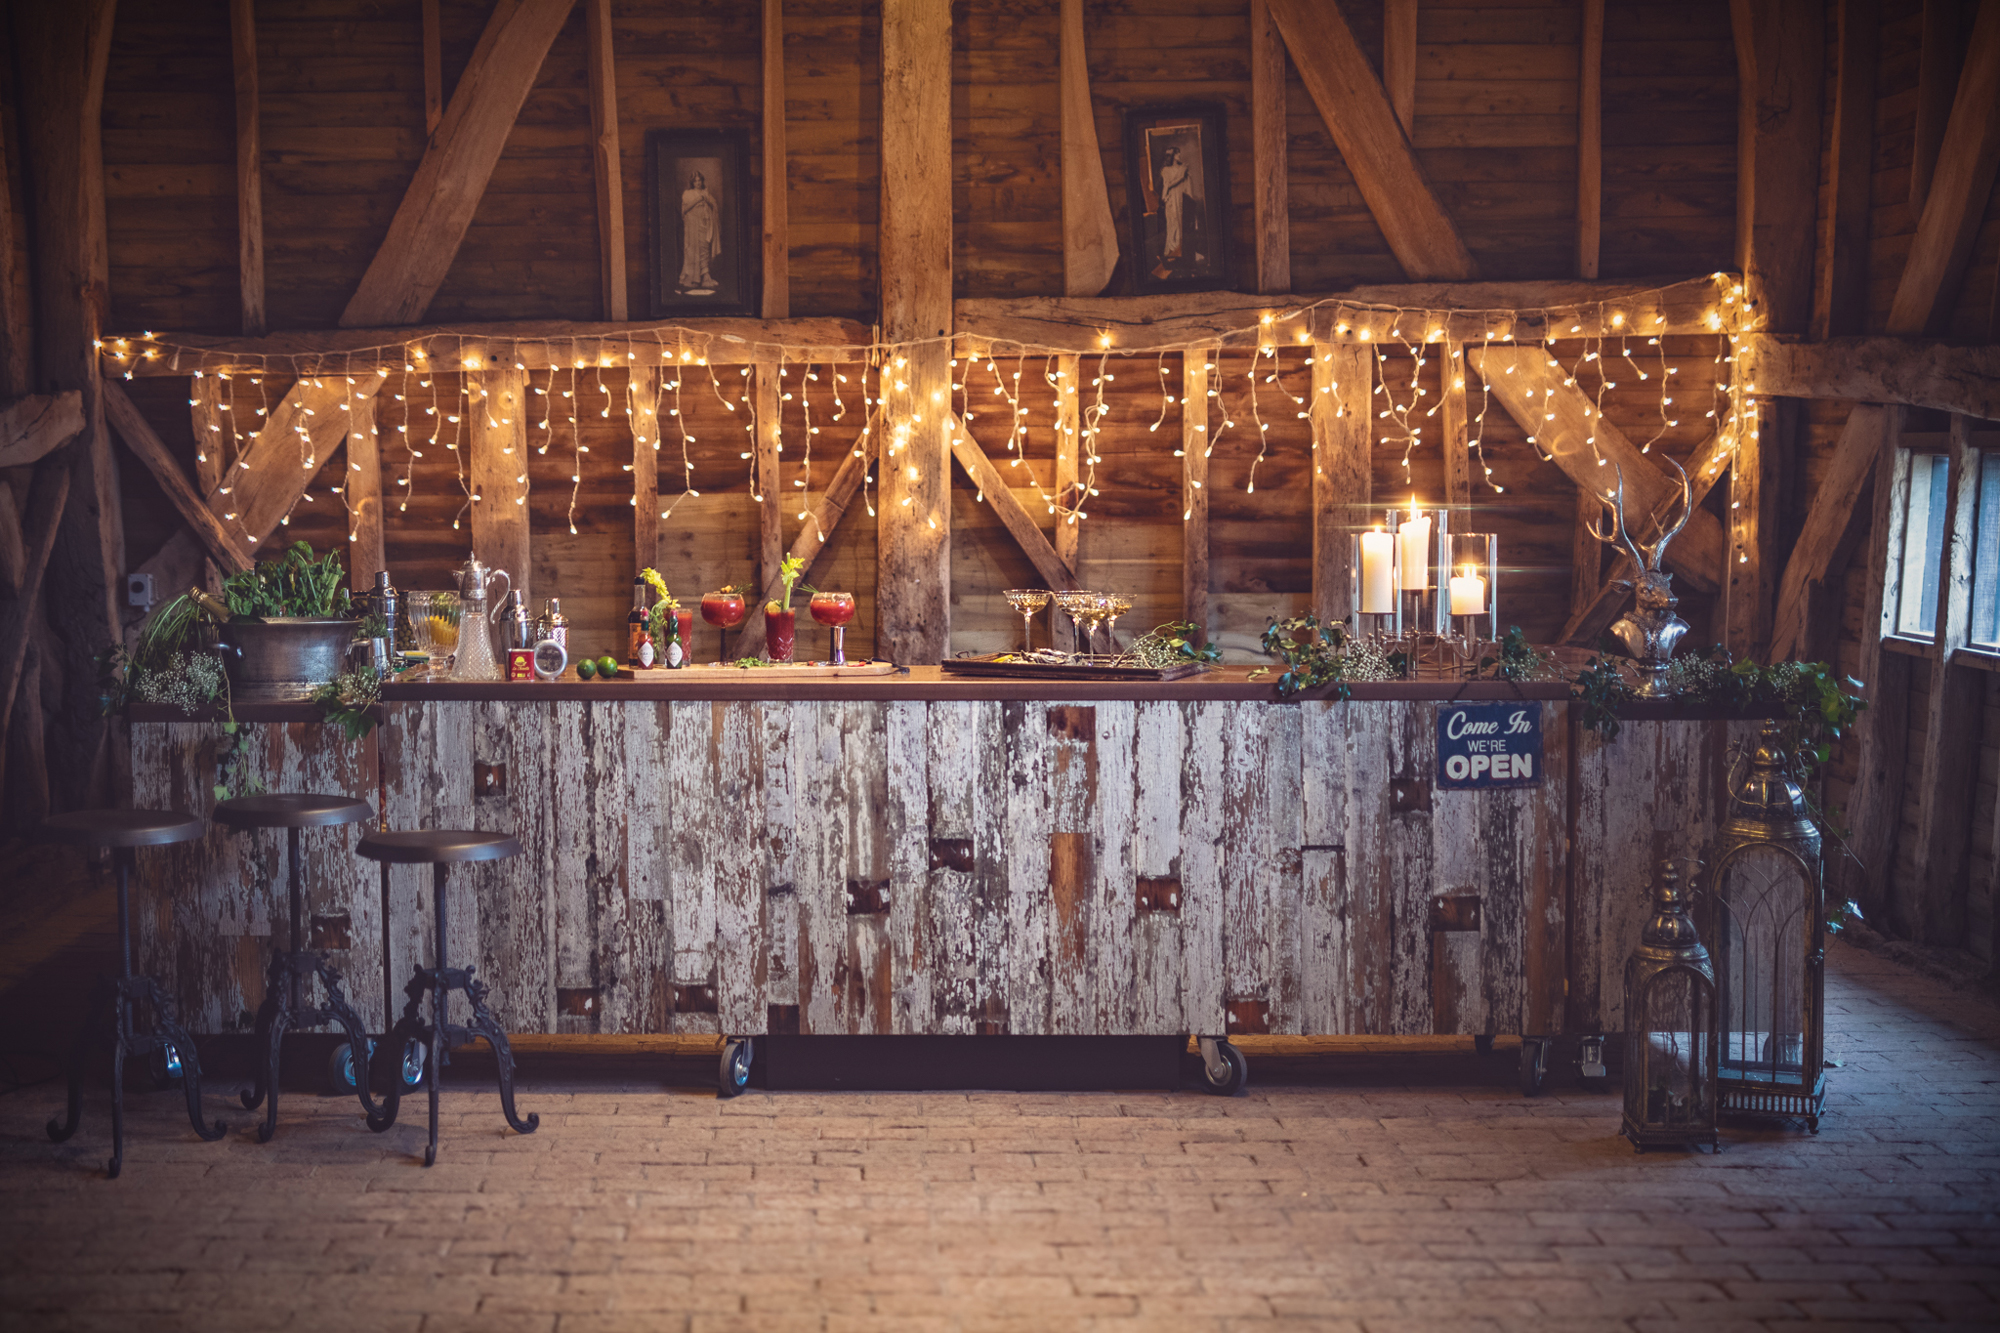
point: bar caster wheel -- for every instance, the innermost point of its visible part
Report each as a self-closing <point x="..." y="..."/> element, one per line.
<point x="1534" y="1065"/>
<point x="1590" y="1068"/>
<point x="734" y="1074"/>
<point x="340" y="1067"/>
<point x="165" y="1065"/>
<point x="1224" y="1071"/>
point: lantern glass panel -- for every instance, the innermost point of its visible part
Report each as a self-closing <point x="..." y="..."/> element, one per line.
<point x="1763" y="922"/>
<point x="1677" y="1094"/>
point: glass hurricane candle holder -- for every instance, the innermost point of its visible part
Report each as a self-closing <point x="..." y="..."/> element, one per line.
<point x="1373" y="584"/>
<point x="1422" y="548"/>
<point x="1472" y="591"/>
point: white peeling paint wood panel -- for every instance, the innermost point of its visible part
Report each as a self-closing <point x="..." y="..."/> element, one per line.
<point x="1409" y="844"/>
<point x="636" y="999"/>
<point x="584" y="757"/>
<point x="342" y="906"/>
<point x="781" y="835"/>
<point x="1114" y="903"/>
<point x="912" y="958"/>
<point x="821" y="859"/>
<point x="863" y="974"/>
<point x="512" y="901"/>
<point x="965" y="882"/>
<point x="694" y="816"/>
<point x="1029" y="826"/>
<point x="1261" y="867"/>
<point x="1371" y="876"/>
<point x="1159" y="961"/>
<point x="1073" y="853"/>
<point x="1205" y="782"/>
<point x="1325" y="778"/>
<point x="739" y="863"/>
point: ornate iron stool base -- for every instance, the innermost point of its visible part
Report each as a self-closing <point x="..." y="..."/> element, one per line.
<point x="109" y="1021"/>
<point x="284" y="1006"/>
<point x="438" y="1037"/>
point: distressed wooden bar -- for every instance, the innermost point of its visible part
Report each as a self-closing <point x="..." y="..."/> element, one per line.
<point x="935" y="856"/>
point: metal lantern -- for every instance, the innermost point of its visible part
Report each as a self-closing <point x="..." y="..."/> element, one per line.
<point x="1769" y="927"/>
<point x="1670" y="1028"/>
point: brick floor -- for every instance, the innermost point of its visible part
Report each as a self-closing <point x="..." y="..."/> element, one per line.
<point x="1382" y="1193"/>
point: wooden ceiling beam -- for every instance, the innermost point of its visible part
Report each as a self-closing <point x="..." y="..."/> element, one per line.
<point x="777" y="286"/>
<point x="606" y="160"/>
<point x="1956" y="203"/>
<point x="1697" y="553"/>
<point x="1364" y="126"/>
<point x="31" y="427"/>
<point x="438" y="206"/>
<point x="249" y="168"/>
<point x="1590" y="140"/>
<point x="148" y="448"/>
<point x="1910" y="371"/>
<point x="1807" y="620"/>
<point x="1271" y="196"/>
<point x="1090" y="241"/>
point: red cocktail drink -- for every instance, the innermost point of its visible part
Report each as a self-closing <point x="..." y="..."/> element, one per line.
<point x="834" y="609"/>
<point x="724" y="610"/>
<point x="684" y="629"/>
<point x="780" y="629"/>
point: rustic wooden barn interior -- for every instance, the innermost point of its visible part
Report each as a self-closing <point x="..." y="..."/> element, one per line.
<point x="394" y="278"/>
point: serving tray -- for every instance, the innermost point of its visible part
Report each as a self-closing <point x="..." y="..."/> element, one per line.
<point x="990" y="665"/>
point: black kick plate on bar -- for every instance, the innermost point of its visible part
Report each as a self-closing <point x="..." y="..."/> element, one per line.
<point x="940" y="1063"/>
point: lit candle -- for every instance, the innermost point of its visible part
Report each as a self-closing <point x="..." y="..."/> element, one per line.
<point x="1378" y="578"/>
<point x="1468" y="593"/>
<point x="1415" y="535"/>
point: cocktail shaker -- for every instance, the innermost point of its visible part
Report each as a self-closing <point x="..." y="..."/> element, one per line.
<point x="517" y="627"/>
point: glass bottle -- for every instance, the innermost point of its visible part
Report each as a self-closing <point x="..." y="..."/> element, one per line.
<point x="638" y="622"/>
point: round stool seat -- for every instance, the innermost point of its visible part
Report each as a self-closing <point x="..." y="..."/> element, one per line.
<point x="123" y="828"/>
<point x="438" y="846"/>
<point x="292" y="810"/>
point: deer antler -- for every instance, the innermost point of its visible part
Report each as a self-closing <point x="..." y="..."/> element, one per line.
<point x="1616" y="504"/>
<point x="1657" y="551"/>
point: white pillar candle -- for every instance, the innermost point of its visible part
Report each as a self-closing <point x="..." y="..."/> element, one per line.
<point x="1468" y="594"/>
<point x="1378" y="578"/>
<point x="1415" y="535"/>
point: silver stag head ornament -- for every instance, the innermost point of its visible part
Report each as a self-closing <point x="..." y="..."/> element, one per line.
<point x="1650" y="631"/>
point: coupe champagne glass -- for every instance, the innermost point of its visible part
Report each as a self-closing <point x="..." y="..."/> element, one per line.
<point x="1027" y="603"/>
<point x="1075" y="604"/>
<point x="1115" y="605"/>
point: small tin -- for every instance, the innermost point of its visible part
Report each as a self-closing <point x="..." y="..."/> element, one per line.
<point x="520" y="664"/>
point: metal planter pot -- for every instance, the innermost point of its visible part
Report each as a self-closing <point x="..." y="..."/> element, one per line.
<point x="283" y="658"/>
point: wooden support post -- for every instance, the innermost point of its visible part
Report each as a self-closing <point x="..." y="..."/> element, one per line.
<point x="368" y="552"/>
<point x="646" y="466"/>
<point x="249" y="168"/>
<point x="1696" y="555"/>
<point x="1874" y="812"/>
<point x="38" y="424"/>
<point x="606" y="159"/>
<point x="438" y="205"/>
<point x="1940" y="52"/>
<point x="1364" y="127"/>
<point x="1841" y="303"/>
<point x="149" y="449"/>
<point x="1194" y="491"/>
<point x="1780" y="47"/>
<point x="1020" y="524"/>
<point x="47" y="498"/>
<point x="1876" y="370"/>
<point x="1756" y="489"/>
<point x="1399" y="61"/>
<point x="777" y="289"/>
<point x="1069" y="443"/>
<point x="1590" y="140"/>
<point x="1806" y="624"/>
<point x="17" y="339"/>
<point x="913" y="571"/>
<point x="1955" y="206"/>
<point x="499" y="458"/>
<point x="770" y="494"/>
<point x="1343" y="384"/>
<point x="213" y="437"/>
<point x="1586" y="567"/>
<point x="1935" y="911"/>
<point x="1090" y="241"/>
<point x="13" y="549"/>
<point x="60" y="54"/>
<point x="1456" y="439"/>
<point x="433" y="68"/>
<point x="1271" y="186"/>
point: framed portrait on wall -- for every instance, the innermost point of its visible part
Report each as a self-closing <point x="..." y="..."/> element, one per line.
<point x="1176" y="169"/>
<point x="699" y="189"/>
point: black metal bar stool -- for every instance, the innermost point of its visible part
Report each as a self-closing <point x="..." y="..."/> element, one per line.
<point x="284" y="1004"/>
<point x="438" y="848"/>
<point x="110" y="1013"/>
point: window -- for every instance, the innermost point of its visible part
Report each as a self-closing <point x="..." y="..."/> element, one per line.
<point x="1923" y="545"/>
<point x="1986" y="554"/>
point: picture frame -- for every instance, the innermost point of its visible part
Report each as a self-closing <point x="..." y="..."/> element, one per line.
<point x="1176" y="171"/>
<point x="700" y="213"/>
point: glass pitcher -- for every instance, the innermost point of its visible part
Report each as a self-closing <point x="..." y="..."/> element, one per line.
<point x="475" y="660"/>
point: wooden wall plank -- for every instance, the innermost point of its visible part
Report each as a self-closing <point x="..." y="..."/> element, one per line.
<point x="1764" y="443"/>
<point x="1590" y="140"/>
<point x="1205" y="793"/>
<point x="820" y="874"/>
<point x="992" y="489"/>
<point x="1358" y="115"/>
<point x="1956" y="203"/>
<point x="646" y="513"/>
<point x="249" y="167"/>
<point x="1807" y="622"/>
<point x="1399" y="61"/>
<point x="1090" y="241"/>
<point x="433" y="41"/>
<point x="1940" y="53"/>
<point x="605" y="159"/>
<point x="1270" y="196"/>
<point x="1780" y="58"/>
<point x="1455" y="436"/>
<point x="437" y="208"/>
<point x="1841" y="302"/>
<point x="1031" y="814"/>
<point x="913" y="552"/>
<point x="736" y="849"/>
<point x="1327" y="999"/>
<point x="149" y="449"/>
<point x="1194" y="491"/>
<point x="499" y="460"/>
<point x="694" y="796"/>
<point x="777" y="247"/>
<point x="864" y="978"/>
<point x="1160" y="961"/>
<point x="1874" y="809"/>
<point x="1343" y="381"/>
<point x="1113" y="892"/>
<point x="366" y="552"/>
<point x="963" y="875"/>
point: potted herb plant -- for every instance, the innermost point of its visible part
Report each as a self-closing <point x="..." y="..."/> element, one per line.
<point x="288" y="626"/>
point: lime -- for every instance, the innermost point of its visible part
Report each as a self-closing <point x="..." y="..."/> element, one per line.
<point x="607" y="666"/>
<point x="585" y="669"/>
